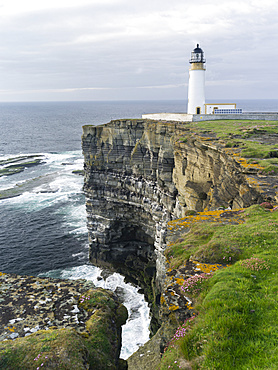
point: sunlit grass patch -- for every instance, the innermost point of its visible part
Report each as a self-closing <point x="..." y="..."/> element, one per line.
<point x="237" y="324"/>
<point x="244" y="138"/>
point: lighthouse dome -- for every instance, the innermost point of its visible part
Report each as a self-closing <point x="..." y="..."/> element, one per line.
<point x="197" y="55"/>
<point x="198" y="49"/>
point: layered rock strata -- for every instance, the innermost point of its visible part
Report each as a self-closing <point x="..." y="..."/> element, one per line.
<point x="139" y="174"/>
<point x="130" y="194"/>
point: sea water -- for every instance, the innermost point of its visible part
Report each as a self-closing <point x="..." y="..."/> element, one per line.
<point x="43" y="229"/>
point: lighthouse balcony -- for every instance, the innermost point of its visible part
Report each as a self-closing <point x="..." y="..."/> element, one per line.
<point x="195" y="59"/>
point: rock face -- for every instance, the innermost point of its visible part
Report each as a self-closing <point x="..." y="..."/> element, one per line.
<point x="65" y="324"/>
<point x="130" y="193"/>
<point x="29" y="304"/>
<point x="139" y="174"/>
<point x="208" y="177"/>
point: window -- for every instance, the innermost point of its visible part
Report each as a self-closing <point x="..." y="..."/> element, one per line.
<point x="228" y="111"/>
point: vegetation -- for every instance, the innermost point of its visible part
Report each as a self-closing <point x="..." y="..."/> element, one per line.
<point x="252" y="139"/>
<point x="15" y="165"/>
<point x="65" y="348"/>
<point x="236" y="321"/>
<point x="60" y="348"/>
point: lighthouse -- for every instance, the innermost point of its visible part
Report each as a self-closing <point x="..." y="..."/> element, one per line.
<point x="197" y="108"/>
<point x="196" y="85"/>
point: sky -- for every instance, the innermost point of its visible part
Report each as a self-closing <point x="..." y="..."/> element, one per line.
<point x="63" y="50"/>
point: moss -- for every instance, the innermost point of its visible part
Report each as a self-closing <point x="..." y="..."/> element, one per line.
<point x="64" y="350"/>
<point x="190" y="212"/>
<point x="122" y="315"/>
<point x="19" y="159"/>
<point x="19" y="164"/>
<point x="97" y="348"/>
<point x="269" y="169"/>
<point x="251" y="139"/>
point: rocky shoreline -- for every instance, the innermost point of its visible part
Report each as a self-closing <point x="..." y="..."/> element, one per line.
<point x="38" y="311"/>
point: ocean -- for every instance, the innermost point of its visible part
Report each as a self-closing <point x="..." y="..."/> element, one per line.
<point x="43" y="228"/>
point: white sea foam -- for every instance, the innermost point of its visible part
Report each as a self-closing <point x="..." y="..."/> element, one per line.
<point x="49" y="184"/>
<point x="136" y="330"/>
<point x="54" y="184"/>
<point x="72" y="160"/>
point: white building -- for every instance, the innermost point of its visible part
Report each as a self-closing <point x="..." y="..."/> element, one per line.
<point x="226" y="108"/>
<point x="196" y="84"/>
<point x="196" y="89"/>
<point x="197" y="108"/>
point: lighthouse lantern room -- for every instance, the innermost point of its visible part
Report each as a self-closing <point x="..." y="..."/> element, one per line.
<point x="196" y="85"/>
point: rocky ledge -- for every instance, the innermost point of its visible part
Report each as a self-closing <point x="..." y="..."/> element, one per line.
<point x="58" y="324"/>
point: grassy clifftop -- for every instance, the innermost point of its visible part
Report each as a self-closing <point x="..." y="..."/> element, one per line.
<point x="256" y="141"/>
<point x="232" y="291"/>
<point x="234" y="303"/>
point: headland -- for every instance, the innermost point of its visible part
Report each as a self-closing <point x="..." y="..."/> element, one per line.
<point x="187" y="210"/>
<point x="151" y="187"/>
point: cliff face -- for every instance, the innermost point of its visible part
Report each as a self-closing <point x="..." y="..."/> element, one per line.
<point x="140" y="174"/>
<point x="208" y="177"/>
<point x="130" y="193"/>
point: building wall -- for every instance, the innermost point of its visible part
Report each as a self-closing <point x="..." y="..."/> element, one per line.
<point x="196" y="91"/>
<point x="179" y="117"/>
<point x="209" y="108"/>
<point x="183" y="117"/>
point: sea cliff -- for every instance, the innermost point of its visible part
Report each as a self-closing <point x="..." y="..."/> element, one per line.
<point x="141" y="175"/>
<point x="189" y="212"/>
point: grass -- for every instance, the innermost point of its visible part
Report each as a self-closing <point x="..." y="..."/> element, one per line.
<point x="237" y="322"/>
<point x="250" y="138"/>
<point x="63" y="349"/>
<point x="230" y="129"/>
<point x="96" y="348"/>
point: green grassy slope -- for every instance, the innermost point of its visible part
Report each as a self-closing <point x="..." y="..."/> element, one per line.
<point x="236" y="321"/>
<point x="254" y="140"/>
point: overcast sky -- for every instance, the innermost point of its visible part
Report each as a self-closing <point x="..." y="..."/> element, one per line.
<point x="136" y="49"/>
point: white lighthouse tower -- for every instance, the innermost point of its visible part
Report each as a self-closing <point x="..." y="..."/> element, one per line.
<point x="196" y="85"/>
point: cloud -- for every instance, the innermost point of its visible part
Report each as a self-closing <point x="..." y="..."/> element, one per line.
<point x="120" y="45"/>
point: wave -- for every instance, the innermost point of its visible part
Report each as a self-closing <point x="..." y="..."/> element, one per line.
<point x="52" y="182"/>
<point x="48" y="200"/>
<point x="136" y="330"/>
